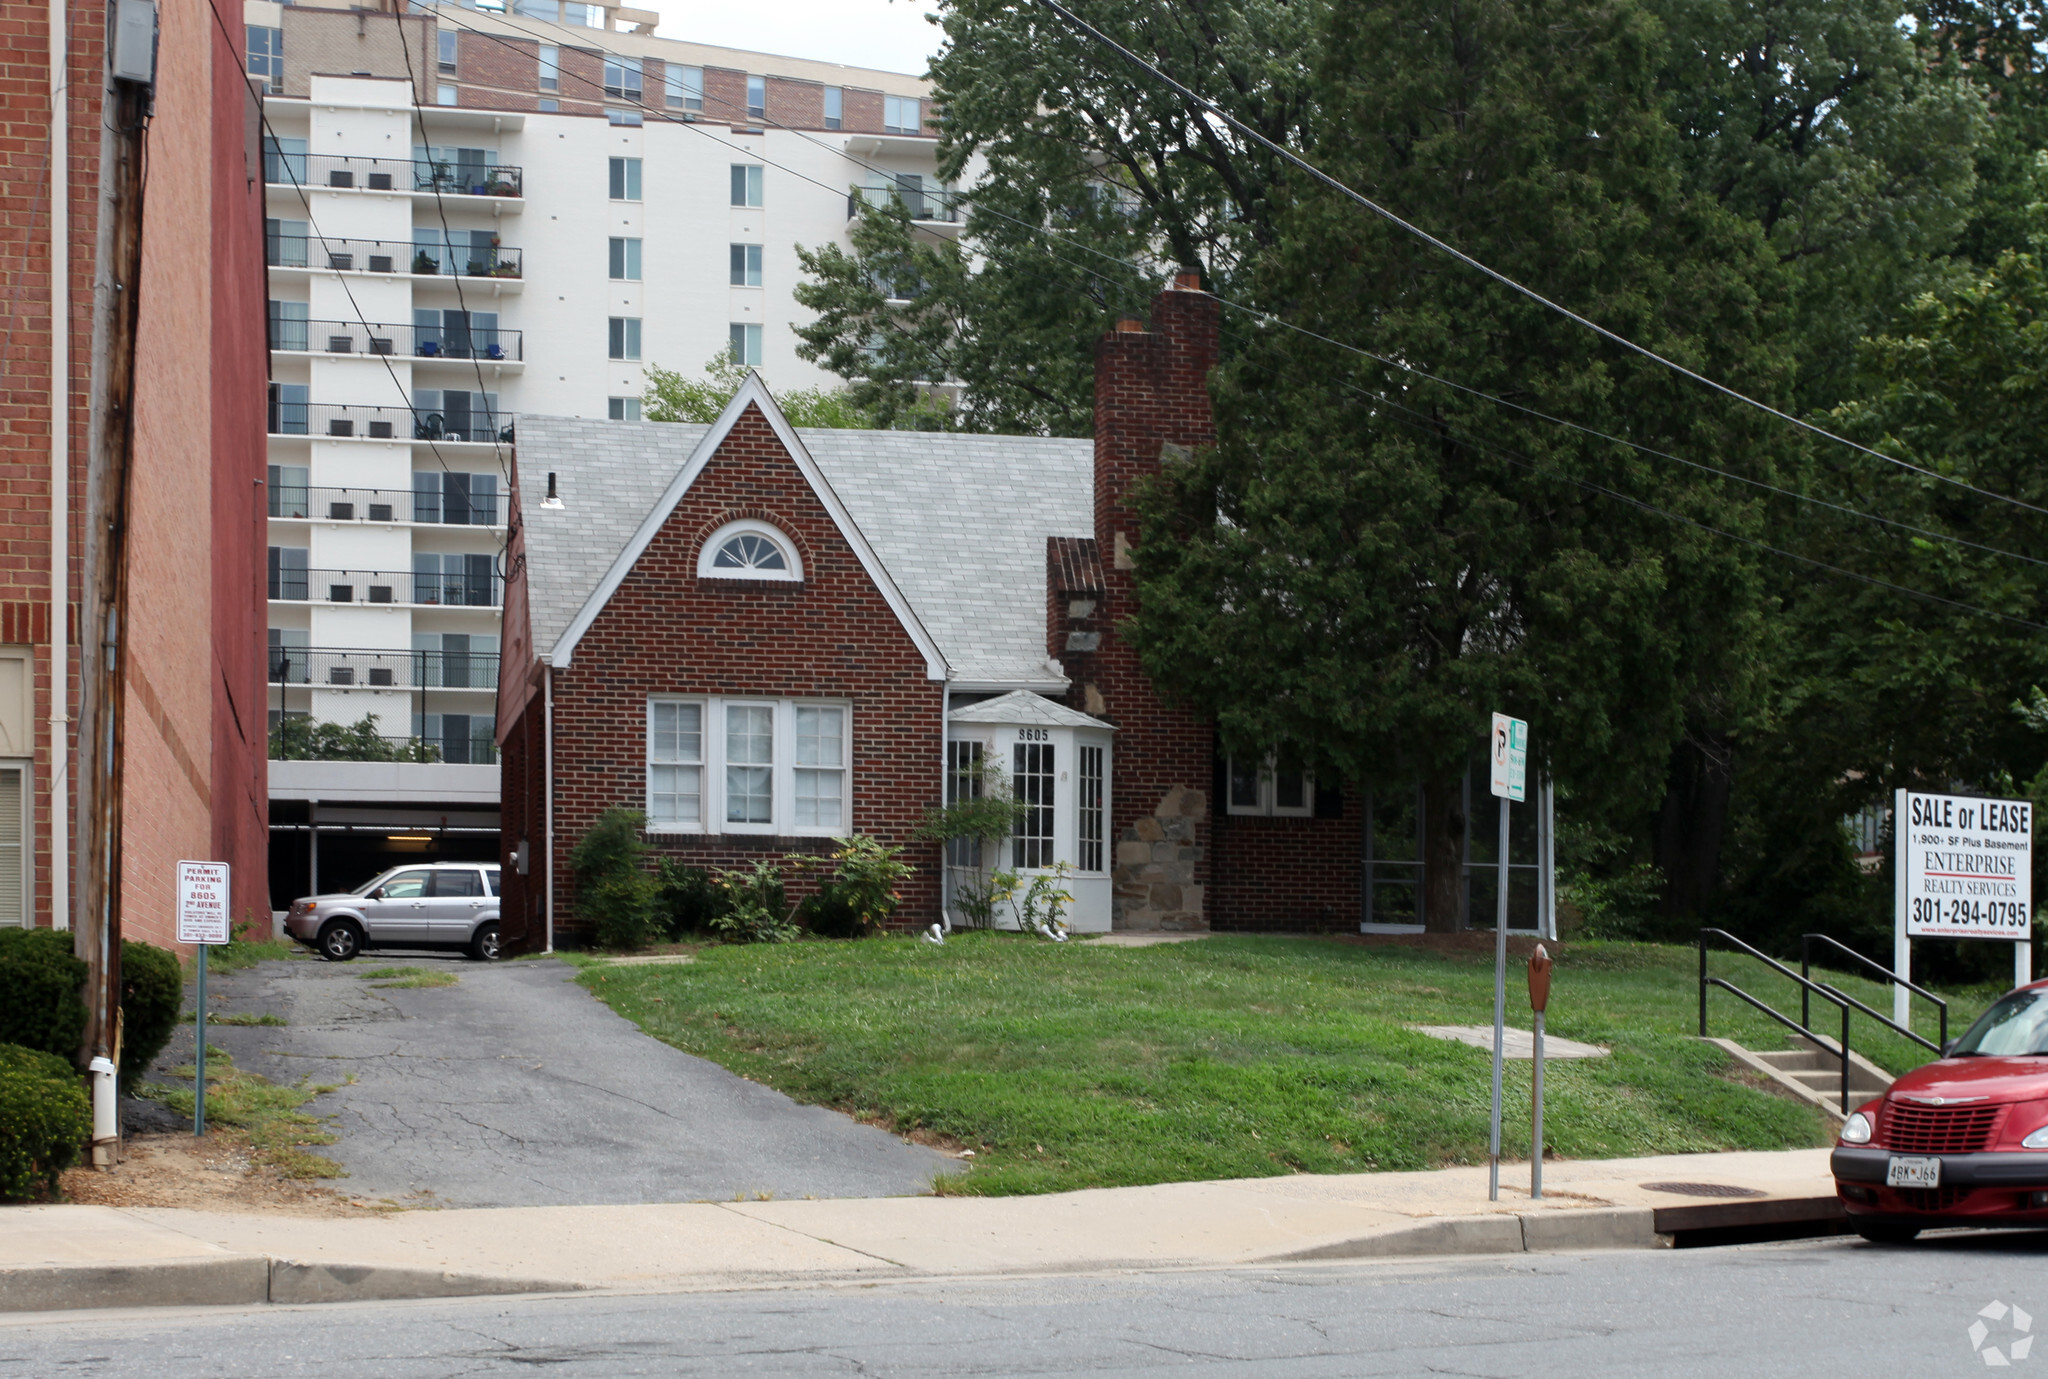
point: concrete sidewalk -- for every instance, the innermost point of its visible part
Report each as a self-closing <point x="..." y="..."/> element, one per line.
<point x="58" y="1257"/>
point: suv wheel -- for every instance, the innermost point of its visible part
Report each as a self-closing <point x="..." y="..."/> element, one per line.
<point x="484" y="947"/>
<point x="340" y="941"/>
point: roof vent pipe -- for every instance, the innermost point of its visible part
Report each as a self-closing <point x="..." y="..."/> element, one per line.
<point x="552" y="500"/>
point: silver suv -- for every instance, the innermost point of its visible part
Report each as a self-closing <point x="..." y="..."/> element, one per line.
<point x="447" y="905"/>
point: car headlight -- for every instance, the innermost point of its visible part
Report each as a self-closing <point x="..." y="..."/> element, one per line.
<point x="2037" y="1140"/>
<point x="1856" y="1129"/>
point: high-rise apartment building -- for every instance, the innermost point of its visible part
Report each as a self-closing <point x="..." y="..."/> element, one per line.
<point x="474" y="213"/>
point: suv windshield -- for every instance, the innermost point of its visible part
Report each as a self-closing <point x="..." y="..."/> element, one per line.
<point x="2016" y="1025"/>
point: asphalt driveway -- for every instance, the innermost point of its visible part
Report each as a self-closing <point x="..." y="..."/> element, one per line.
<point x="515" y="1087"/>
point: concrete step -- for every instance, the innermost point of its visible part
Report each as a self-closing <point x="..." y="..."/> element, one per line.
<point x="1812" y="1073"/>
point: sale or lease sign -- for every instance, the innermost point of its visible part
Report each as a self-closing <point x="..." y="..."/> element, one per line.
<point x="203" y="902"/>
<point x="1967" y="866"/>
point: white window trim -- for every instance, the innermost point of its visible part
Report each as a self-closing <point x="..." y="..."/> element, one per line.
<point x="747" y="525"/>
<point x="711" y="778"/>
<point x="1266" y="807"/>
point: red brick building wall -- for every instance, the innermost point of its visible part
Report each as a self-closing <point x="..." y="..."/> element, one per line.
<point x="1288" y="875"/>
<point x="666" y="631"/>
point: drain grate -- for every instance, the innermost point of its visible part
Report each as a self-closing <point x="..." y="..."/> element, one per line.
<point x="1703" y="1190"/>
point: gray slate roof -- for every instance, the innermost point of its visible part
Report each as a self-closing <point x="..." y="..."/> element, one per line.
<point x="1022" y="706"/>
<point x="959" y="521"/>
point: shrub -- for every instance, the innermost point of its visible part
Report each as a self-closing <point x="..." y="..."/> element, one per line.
<point x="613" y="891"/>
<point x="45" y="1120"/>
<point x="40" y="1002"/>
<point x="690" y="900"/>
<point x="152" y="995"/>
<point x="862" y="894"/>
<point x="758" y="909"/>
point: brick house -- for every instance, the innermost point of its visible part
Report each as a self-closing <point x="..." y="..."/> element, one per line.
<point x="766" y="637"/>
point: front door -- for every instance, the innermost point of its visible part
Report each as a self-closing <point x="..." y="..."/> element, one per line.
<point x="455" y="902"/>
<point x="399" y="915"/>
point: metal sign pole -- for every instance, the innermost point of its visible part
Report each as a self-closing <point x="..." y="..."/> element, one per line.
<point x="1500" y="998"/>
<point x="199" y="1060"/>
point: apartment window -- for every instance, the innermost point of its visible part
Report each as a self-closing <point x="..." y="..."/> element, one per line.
<point x="625" y="260"/>
<point x="1031" y="781"/>
<point x="902" y="115"/>
<point x="266" y="56"/>
<point x="757" y="97"/>
<point x="1268" y="788"/>
<point x="625" y="337"/>
<point x="287" y="325"/>
<point x="455" y="334"/>
<point x="622" y="408"/>
<point x="284" y="243"/>
<point x="684" y="87"/>
<point x="445" y="95"/>
<point x="746" y="184"/>
<point x="746" y="265"/>
<point x="625" y="179"/>
<point x="621" y="117"/>
<point x="622" y="78"/>
<point x="447" y="38"/>
<point x="455" y="414"/>
<point x="746" y="344"/>
<point x="550" y="67"/>
<point x="286" y="484"/>
<point x="454" y="498"/>
<point x="834" y="104"/>
<point x="289" y="656"/>
<point x="463" y="739"/>
<point x="455" y="660"/>
<point x="284" y="160"/>
<point x="454" y="581"/>
<point x="675" y="764"/>
<point x="288" y="573"/>
<point x="288" y="414"/>
<point x="548" y="107"/>
<point x="1089" y="812"/>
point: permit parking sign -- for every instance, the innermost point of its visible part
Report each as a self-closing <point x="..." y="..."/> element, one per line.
<point x="1510" y="751"/>
<point x="203" y="902"/>
<point x="1966" y="866"/>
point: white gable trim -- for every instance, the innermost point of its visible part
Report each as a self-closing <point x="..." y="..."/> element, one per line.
<point x="756" y="392"/>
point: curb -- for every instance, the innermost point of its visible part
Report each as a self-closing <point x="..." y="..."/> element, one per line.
<point x="238" y="1280"/>
<point x="1594" y="1228"/>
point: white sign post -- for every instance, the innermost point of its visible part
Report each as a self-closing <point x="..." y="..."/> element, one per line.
<point x="1965" y="869"/>
<point x="203" y="895"/>
<point x="1509" y="748"/>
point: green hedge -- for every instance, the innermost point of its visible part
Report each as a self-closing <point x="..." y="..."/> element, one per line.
<point x="45" y="1120"/>
<point x="42" y="1004"/>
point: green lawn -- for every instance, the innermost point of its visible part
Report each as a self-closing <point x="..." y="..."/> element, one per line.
<point x="1077" y="1065"/>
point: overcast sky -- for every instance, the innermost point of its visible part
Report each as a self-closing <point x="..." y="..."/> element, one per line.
<point x="889" y="34"/>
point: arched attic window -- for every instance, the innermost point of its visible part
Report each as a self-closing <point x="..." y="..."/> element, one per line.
<point x="749" y="550"/>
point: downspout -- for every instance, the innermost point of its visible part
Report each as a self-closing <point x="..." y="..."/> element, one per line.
<point x="60" y="471"/>
<point x="547" y="680"/>
<point x="945" y="747"/>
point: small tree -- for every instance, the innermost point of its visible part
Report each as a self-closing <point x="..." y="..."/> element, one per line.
<point x="671" y="396"/>
<point x="613" y="890"/>
<point x="972" y="826"/>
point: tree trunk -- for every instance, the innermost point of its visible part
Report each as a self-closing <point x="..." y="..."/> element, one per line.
<point x="1443" y="854"/>
<point x="1692" y="822"/>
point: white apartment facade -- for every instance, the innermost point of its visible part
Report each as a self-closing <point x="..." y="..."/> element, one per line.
<point x="474" y="215"/>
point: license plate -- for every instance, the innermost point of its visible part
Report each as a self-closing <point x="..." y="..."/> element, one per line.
<point x="1913" y="1173"/>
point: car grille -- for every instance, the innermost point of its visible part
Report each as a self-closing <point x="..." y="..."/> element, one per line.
<point x="1910" y="1129"/>
<point x="1932" y="1198"/>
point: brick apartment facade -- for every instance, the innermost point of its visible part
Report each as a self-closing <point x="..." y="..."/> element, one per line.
<point x="193" y="732"/>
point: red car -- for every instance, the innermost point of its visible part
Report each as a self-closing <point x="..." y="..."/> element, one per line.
<point x="1960" y="1142"/>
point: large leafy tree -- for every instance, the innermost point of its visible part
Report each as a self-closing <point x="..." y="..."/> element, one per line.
<point x="1368" y="562"/>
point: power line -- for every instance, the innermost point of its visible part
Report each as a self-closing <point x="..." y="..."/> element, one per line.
<point x="1296" y="160"/>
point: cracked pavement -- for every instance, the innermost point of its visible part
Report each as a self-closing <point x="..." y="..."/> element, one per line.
<point x="516" y="1087"/>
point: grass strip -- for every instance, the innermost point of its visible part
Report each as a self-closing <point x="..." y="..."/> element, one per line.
<point x="1080" y="1065"/>
<point x="236" y="1018"/>
<point x="385" y="978"/>
<point x="280" y="1134"/>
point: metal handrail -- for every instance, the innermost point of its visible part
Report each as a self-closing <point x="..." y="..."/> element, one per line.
<point x="1806" y="968"/>
<point x="1841" y="997"/>
<point x="1826" y="993"/>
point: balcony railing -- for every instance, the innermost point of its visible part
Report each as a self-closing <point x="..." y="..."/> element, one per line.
<point x="416" y="342"/>
<point x="387" y="586"/>
<point x="927" y="207"/>
<point x="392" y="174"/>
<point x="298" y="739"/>
<point x="436" y="505"/>
<point x="335" y="668"/>
<point x="340" y="420"/>
<point x="391" y="256"/>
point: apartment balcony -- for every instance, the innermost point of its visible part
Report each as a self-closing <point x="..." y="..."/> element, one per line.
<point x="397" y="587"/>
<point x="435" y="506"/>
<point x="348" y="421"/>
<point x="413" y="343"/>
<point x="341" y="172"/>
<point x="297" y="738"/>
<point x="349" y="668"/>
<point x="931" y="208"/>
<point x="496" y="263"/>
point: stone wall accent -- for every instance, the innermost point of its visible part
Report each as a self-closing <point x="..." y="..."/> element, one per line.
<point x="1158" y="865"/>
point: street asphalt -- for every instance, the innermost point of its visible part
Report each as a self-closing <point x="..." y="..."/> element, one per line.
<point x="515" y="1087"/>
<point x="1838" y="1307"/>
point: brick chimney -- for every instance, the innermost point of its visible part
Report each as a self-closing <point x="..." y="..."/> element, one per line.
<point x="1151" y="399"/>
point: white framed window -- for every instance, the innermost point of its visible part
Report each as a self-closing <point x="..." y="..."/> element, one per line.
<point x="902" y="115"/>
<point x="746" y="344"/>
<point x="447" y="50"/>
<point x="1267" y="788"/>
<point x="819" y="789"/>
<point x="1032" y="777"/>
<point x="746" y="265"/>
<point x="625" y="179"/>
<point x="624" y="342"/>
<point x="550" y="67"/>
<point x="17" y="886"/>
<point x="614" y="115"/>
<point x="749" y="768"/>
<point x="683" y="87"/>
<point x="622" y="408"/>
<point x="444" y="94"/>
<point x="625" y="260"/>
<point x="549" y="106"/>
<point x="1088" y="809"/>
<point x="266" y="58"/>
<point x="748" y="549"/>
<point x="835" y="104"/>
<point x="675" y="764"/>
<point x="622" y="78"/>
<point x="746" y="184"/>
<point x="757" y="97"/>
